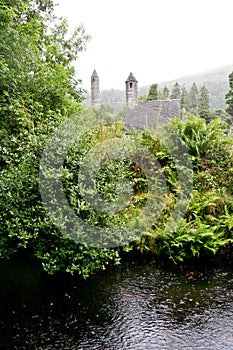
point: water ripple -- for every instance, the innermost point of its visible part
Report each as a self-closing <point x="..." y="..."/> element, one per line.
<point x="137" y="308"/>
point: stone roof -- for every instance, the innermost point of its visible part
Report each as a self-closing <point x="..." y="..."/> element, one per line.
<point x="131" y="77"/>
<point x="94" y="74"/>
<point x="151" y="114"/>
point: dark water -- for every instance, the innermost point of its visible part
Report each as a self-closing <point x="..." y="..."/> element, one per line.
<point x="138" y="307"/>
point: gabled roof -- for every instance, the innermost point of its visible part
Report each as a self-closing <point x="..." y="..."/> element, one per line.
<point x="151" y="114"/>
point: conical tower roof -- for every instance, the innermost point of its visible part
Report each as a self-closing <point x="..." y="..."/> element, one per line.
<point x="94" y="74"/>
<point x="131" y="77"/>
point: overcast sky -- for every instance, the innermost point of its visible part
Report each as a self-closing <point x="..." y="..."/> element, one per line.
<point x="158" y="40"/>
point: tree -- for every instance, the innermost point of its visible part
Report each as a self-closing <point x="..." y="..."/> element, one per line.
<point x="164" y="94"/>
<point x="153" y="92"/>
<point x="37" y="78"/>
<point x="193" y="95"/>
<point x="175" y="93"/>
<point x="203" y="105"/>
<point x="184" y="98"/>
<point x="229" y="96"/>
<point x="38" y="90"/>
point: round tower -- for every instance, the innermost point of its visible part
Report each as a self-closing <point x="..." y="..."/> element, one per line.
<point x="131" y="91"/>
<point x="95" y="90"/>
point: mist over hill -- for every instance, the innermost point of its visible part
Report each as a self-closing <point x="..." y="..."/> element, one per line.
<point x="216" y="81"/>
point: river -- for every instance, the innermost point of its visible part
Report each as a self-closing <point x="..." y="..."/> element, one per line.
<point x="138" y="306"/>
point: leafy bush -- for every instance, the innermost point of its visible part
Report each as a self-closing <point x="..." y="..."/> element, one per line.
<point x="39" y="90"/>
<point x="207" y="225"/>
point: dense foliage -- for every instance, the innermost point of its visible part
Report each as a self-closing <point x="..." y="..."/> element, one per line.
<point x="207" y="225"/>
<point x="38" y="91"/>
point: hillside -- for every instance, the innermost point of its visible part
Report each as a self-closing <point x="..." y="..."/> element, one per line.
<point x="216" y="81"/>
<point x="215" y="75"/>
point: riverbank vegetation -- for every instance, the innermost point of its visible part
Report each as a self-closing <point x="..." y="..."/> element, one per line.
<point x="207" y="224"/>
<point x="39" y="91"/>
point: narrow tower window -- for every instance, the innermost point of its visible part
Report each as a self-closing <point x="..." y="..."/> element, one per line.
<point x="130" y="85"/>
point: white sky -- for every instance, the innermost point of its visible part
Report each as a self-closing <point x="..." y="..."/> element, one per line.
<point x="158" y="40"/>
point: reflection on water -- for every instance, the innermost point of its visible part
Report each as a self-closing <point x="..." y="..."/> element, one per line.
<point x="138" y="307"/>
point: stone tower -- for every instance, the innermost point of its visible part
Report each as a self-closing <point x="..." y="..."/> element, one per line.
<point x="95" y="90"/>
<point x="131" y="91"/>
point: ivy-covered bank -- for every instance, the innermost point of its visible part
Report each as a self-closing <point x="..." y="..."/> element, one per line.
<point x="38" y="92"/>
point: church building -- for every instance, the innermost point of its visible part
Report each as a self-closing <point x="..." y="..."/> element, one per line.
<point x="140" y="115"/>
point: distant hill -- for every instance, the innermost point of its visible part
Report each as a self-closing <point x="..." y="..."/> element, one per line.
<point x="216" y="81"/>
<point x="213" y="75"/>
